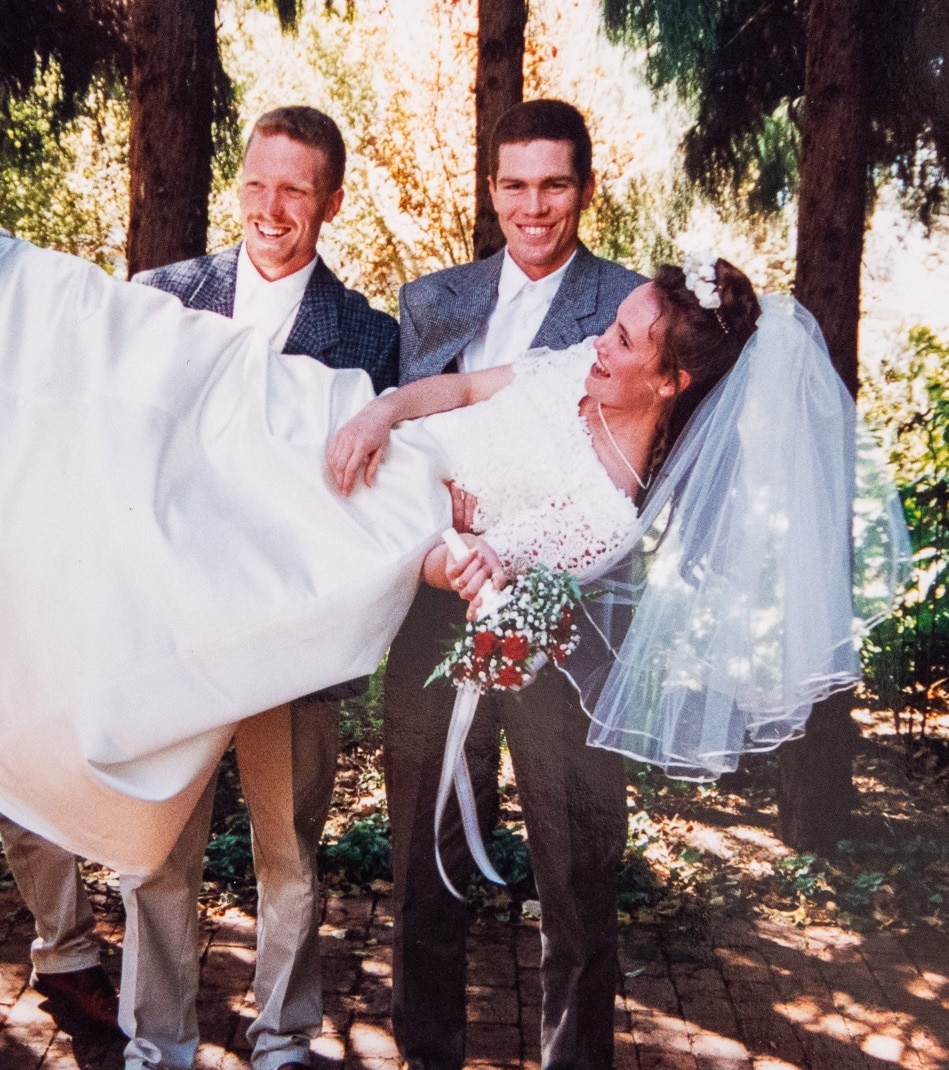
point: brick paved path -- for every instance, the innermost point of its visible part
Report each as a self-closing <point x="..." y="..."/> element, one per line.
<point x="737" y="996"/>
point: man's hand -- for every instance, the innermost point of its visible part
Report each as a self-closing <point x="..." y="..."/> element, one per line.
<point x="463" y="507"/>
<point x="360" y="441"/>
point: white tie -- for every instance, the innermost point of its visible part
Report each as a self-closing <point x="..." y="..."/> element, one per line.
<point x="513" y="325"/>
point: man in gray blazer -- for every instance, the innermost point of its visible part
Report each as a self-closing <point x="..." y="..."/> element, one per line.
<point x="291" y="184"/>
<point x="544" y="289"/>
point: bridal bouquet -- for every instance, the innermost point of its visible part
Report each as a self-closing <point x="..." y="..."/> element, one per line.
<point x="530" y="623"/>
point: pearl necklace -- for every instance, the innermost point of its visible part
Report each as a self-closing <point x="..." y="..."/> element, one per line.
<point x="619" y="452"/>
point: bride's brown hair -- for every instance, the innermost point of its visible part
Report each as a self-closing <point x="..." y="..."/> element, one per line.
<point x="705" y="342"/>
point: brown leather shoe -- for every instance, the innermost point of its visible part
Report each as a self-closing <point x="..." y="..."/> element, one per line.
<point x="88" y="993"/>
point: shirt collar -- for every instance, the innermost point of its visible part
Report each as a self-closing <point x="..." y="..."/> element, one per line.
<point x="288" y="291"/>
<point x="513" y="279"/>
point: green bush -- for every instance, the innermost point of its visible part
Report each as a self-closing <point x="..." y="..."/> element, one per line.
<point x="906" y="658"/>
<point x="362" y="854"/>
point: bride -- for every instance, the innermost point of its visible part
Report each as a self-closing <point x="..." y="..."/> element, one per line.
<point x="180" y="550"/>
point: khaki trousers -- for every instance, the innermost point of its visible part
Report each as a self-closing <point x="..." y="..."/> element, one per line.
<point x="48" y="880"/>
<point x="287" y="762"/>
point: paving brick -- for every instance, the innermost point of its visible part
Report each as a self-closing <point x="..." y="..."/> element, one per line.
<point x="652" y="994"/>
<point x="217" y="1022"/>
<point x="530" y="1025"/>
<point x="741" y="996"/>
<point x="339" y="972"/>
<point x="493" y="1045"/>
<point x="227" y="969"/>
<point x="491" y="963"/>
<point x="327" y="1052"/>
<point x="365" y="1062"/>
<point x="347" y="913"/>
<point x="660" y="1058"/>
<point x="377" y="962"/>
<point x="13" y="980"/>
<point x="527" y="943"/>
<point x="492" y="1004"/>
<point x="234" y="926"/>
<point x="233" y="1061"/>
<point x="529" y="987"/>
<point x="372" y="1000"/>
<point x="371" y="1040"/>
<point x="625" y="1056"/>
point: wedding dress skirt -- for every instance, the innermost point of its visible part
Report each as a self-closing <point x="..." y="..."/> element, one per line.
<point x="173" y="555"/>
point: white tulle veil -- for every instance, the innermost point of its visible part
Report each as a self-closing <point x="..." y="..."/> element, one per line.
<point x="738" y="612"/>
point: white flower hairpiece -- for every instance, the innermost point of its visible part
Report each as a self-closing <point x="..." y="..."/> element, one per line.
<point x="699" y="271"/>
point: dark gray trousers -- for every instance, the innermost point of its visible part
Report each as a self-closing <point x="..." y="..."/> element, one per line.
<point x="574" y="806"/>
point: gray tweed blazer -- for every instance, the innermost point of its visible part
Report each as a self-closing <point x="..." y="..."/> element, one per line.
<point x="442" y="312"/>
<point x="334" y="325"/>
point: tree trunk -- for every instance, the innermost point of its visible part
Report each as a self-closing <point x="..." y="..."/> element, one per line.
<point x="174" y="60"/>
<point x="815" y="792"/>
<point x="499" y="85"/>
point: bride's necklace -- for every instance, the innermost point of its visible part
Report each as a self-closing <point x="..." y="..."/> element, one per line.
<point x="619" y="452"/>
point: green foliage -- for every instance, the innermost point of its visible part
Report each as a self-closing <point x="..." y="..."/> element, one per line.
<point x="362" y="854"/>
<point x="740" y="65"/>
<point x="681" y="37"/>
<point x="638" y="886"/>
<point x="509" y="854"/>
<point x="801" y="875"/>
<point x="83" y="39"/>
<point x="6" y="877"/>
<point x="907" y="402"/>
<point x="911" y="885"/>
<point x="65" y="184"/>
<point x="228" y="859"/>
<point x="361" y="716"/>
<point x="641" y="226"/>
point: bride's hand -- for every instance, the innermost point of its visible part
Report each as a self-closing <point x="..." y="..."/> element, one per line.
<point x="469" y="576"/>
<point x="360" y="441"/>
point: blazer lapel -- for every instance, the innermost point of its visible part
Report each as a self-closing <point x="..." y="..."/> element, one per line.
<point x="214" y="289"/>
<point x="573" y="302"/>
<point x="464" y="304"/>
<point x="316" y="327"/>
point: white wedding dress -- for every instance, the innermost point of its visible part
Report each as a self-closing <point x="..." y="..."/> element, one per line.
<point x="174" y="558"/>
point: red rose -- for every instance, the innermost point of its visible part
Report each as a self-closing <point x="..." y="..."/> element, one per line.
<point x="515" y="647"/>
<point x="510" y="677"/>
<point x="559" y="654"/>
<point x="485" y="644"/>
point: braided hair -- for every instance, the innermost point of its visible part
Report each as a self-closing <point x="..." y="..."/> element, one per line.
<point x="704" y="342"/>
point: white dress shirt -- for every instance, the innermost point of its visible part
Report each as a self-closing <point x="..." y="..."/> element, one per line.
<point x="271" y="307"/>
<point x="516" y="317"/>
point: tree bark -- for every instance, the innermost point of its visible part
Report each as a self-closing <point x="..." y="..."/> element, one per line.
<point x="499" y="85"/>
<point x="174" y="61"/>
<point x="815" y="793"/>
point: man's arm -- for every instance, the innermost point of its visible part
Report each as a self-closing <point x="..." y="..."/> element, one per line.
<point x="362" y="441"/>
<point x="409" y="341"/>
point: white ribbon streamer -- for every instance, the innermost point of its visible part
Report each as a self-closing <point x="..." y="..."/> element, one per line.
<point x="454" y="765"/>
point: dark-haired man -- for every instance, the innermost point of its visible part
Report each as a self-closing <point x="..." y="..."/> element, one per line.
<point x="291" y="184"/>
<point x="544" y="289"/>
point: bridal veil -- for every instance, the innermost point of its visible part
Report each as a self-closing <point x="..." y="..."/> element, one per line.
<point x="743" y="610"/>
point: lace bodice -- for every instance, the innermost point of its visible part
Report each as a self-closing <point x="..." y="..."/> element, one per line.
<point x="527" y="456"/>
